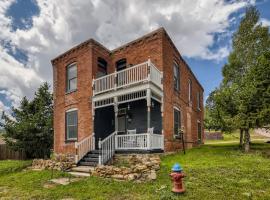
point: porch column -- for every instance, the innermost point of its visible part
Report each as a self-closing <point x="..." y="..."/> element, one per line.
<point x="93" y="125"/>
<point x="162" y="115"/>
<point x="148" y="100"/>
<point x="93" y="118"/>
<point x="115" y="113"/>
<point x="162" y="118"/>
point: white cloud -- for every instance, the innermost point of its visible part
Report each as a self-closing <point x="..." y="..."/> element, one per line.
<point x="63" y="24"/>
<point x="265" y="22"/>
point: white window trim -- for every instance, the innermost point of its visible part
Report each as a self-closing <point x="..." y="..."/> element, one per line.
<point x="67" y="111"/>
<point x="67" y="80"/>
<point x="71" y="109"/>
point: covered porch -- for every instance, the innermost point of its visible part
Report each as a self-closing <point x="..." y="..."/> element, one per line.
<point x="137" y="126"/>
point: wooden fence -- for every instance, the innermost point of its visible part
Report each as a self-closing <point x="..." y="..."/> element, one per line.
<point x="7" y="153"/>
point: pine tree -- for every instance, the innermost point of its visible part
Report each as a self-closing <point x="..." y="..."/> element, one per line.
<point x="30" y="126"/>
<point x="244" y="93"/>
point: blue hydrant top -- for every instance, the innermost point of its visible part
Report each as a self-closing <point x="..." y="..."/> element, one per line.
<point x="177" y="168"/>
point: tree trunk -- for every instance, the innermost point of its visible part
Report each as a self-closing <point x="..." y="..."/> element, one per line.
<point x="247" y="140"/>
<point x="241" y="137"/>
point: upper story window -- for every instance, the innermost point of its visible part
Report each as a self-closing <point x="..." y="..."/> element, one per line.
<point x="72" y="124"/>
<point x="71" y="77"/>
<point x="189" y="90"/>
<point x="177" y="121"/>
<point x="199" y="100"/>
<point x="176" y="76"/>
<point x="102" y="67"/>
<point x="121" y="64"/>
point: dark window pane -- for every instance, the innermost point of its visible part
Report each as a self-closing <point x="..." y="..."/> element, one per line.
<point x="73" y="84"/>
<point x="72" y="132"/>
<point x="199" y="132"/>
<point x="177" y="121"/>
<point x="121" y="64"/>
<point x="102" y="67"/>
<point x="72" y="72"/>
<point x="71" y="77"/>
<point x="176" y="76"/>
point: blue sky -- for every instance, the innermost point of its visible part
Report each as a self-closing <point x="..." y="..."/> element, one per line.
<point x="35" y="31"/>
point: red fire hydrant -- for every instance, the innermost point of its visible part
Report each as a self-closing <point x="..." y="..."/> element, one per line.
<point x="177" y="179"/>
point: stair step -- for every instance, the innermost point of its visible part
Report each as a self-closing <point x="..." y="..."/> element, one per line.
<point x="84" y="163"/>
<point x="90" y="159"/>
<point x="92" y="155"/>
<point x="85" y="169"/>
<point x="94" y="152"/>
<point x="80" y="174"/>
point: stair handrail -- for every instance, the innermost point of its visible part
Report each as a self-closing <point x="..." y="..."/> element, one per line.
<point x="106" y="148"/>
<point x="83" y="147"/>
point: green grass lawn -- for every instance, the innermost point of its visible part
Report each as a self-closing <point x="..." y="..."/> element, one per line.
<point x="217" y="171"/>
<point x="235" y="136"/>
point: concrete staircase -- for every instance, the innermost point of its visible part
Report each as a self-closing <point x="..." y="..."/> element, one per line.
<point x="90" y="159"/>
<point x="86" y="165"/>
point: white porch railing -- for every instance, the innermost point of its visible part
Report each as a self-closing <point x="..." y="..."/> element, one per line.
<point x="83" y="147"/>
<point x="156" y="141"/>
<point x="144" y="141"/>
<point x="132" y="75"/>
<point x="107" y="148"/>
<point x="132" y="141"/>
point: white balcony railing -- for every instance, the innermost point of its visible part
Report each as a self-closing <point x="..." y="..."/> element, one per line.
<point x="139" y="73"/>
<point x="83" y="147"/>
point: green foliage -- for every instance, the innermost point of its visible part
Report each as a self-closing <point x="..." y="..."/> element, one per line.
<point x="30" y="127"/>
<point x="242" y="100"/>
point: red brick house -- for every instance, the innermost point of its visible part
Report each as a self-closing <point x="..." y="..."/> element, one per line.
<point x="133" y="98"/>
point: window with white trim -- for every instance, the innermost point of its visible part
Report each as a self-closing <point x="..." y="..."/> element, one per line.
<point x="176" y="76"/>
<point x="71" y="125"/>
<point x="177" y="121"/>
<point x="71" y="77"/>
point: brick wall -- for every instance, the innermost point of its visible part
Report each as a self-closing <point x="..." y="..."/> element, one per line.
<point x="158" y="47"/>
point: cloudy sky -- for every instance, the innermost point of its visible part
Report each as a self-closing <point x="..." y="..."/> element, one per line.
<point x="32" y="32"/>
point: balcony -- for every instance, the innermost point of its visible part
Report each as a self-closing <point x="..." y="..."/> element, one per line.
<point x="139" y="74"/>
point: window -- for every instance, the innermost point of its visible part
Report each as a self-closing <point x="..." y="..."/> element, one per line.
<point x="102" y="67"/>
<point x="71" y="78"/>
<point x="199" y="132"/>
<point x="72" y="125"/>
<point x="176" y="77"/>
<point x="177" y="121"/>
<point x="189" y="90"/>
<point x="121" y="64"/>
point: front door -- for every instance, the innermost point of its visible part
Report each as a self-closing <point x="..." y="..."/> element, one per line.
<point x="122" y="124"/>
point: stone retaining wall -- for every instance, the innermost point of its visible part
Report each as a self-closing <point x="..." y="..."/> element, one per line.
<point x="59" y="162"/>
<point x="138" y="167"/>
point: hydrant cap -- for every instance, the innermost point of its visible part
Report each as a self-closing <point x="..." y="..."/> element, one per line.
<point x="177" y="168"/>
